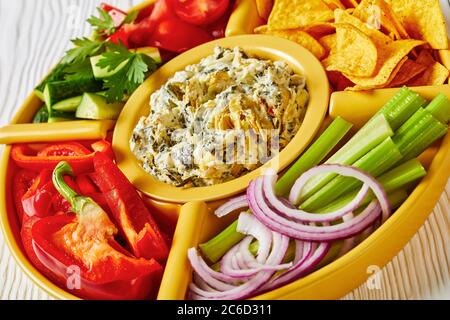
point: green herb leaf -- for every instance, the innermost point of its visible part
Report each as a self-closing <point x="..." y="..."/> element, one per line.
<point x="104" y="23"/>
<point x="129" y="77"/>
<point x="84" y="48"/>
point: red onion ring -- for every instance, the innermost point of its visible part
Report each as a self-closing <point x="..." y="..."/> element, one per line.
<point x="347" y="171"/>
<point x="232" y="205"/>
<point x="300" y="231"/>
<point x="270" y="179"/>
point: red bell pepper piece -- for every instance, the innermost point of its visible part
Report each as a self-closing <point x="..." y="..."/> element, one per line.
<point x="105" y="147"/>
<point x="79" y="157"/>
<point x="85" y="241"/>
<point x="21" y="183"/>
<point x="129" y="210"/>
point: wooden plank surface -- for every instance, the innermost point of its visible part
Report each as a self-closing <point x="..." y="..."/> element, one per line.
<point x="35" y="34"/>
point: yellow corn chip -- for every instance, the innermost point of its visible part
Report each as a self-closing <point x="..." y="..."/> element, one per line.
<point x="379" y="38"/>
<point x="422" y="20"/>
<point x="390" y="57"/>
<point x="409" y="70"/>
<point x="291" y="14"/>
<point x="298" y="36"/>
<point x="334" y="4"/>
<point x="355" y="54"/>
<point x="320" y="29"/>
<point x="434" y="74"/>
<point x="264" y="7"/>
<point x="350" y="3"/>
<point x="378" y="12"/>
<point x="329" y="42"/>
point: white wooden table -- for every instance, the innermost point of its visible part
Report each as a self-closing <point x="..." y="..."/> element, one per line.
<point x="35" y="33"/>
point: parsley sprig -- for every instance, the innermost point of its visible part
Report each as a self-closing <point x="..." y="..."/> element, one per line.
<point x="122" y="83"/>
<point x="103" y="24"/>
<point x="83" y="49"/>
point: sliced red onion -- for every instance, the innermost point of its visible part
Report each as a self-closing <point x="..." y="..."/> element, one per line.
<point x="301" y="268"/>
<point x="349" y="243"/>
<point x="232" y="205"/>
<point x="213" y="282"/>
<point x="347" y="171"/>
<point x="270" y="178"/>
<point x="247" y="224"/>
<point x="252" y="285"/>
<point x="237" y="261"/>
<point x="300" y="231"/>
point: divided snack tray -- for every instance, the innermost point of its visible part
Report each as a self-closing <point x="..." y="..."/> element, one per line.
<point x="194" y="207"/>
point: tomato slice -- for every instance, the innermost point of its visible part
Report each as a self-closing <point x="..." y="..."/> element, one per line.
<point x="200" y="12"/>
<point x="178" y="36"/>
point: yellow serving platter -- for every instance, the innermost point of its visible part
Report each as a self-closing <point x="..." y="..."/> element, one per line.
<point x="196" y="223"/>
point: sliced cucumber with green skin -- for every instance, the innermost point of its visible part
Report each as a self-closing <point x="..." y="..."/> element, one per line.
<point x="68" y="105"/>
<point x="152" y="52"/>
<point x="41" y="115"/>
<point x="102" y="73"/>
<point x="60" y="90"/>
<point x="94" y="106"/>
<point x="57" y="74"/>
<point x="59" y="116"/>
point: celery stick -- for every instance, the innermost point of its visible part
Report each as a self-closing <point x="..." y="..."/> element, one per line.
<point x="396" y="178"/>
<point x="439" y="107"/>
<point x="377" y="161"/>
<point x="215" y="248"/>
<point x="419" y="132"/>
<point x="401" y="107"/>
<point x="365" y="140"/>
<point x="314" y="155"/>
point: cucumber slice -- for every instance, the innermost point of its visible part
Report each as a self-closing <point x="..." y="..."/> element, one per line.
<point x="94" y="106"/>
<point x="152" y="52"/>
<point x="41" y="115"/>
<point x="102" y="73"/>
<point x="60" y="90"/>
<point x="59" y="116"/>
<point x="68" y="105"/>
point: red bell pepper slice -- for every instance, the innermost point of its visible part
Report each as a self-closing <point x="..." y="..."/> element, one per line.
<point x="130" y="212"/>
<point x="79" y="157"/>
<point x="105" y="147"/>
<point x="22" y="181"/>
<point x="85" y="243"/>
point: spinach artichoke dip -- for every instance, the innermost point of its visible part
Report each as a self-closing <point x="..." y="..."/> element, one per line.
<point x="196" y="116"/>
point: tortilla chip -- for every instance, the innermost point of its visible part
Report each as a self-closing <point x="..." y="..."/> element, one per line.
<point x="434" y="74"/>
<point x="291" y="14"/>
<point x="378" y="12"/>
<point x="329" y="42"/>
<point x="320" y="29"/>
<point x="422" y="20"/>
<point x="350" y="3"/>
<point x="379" y="38"/>
<point x="409" y="70"/>
<point x="264" y="7"/>
<point x="334" y="4"/>
<point x="390" y="57"/>
<point x="298" y="36"/>
<point x="355" y="54"/>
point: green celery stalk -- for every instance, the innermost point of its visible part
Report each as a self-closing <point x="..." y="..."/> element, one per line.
<point x="401" y="107"/>
<point x="365" y="140"/>
<point x="215" y="248"/>
<point x="394" y="179"/>
<point x="314" y="155"/>
<point x="439" y="107"/>
<point x="377" y="161"/>
<point x="418" y="133"/>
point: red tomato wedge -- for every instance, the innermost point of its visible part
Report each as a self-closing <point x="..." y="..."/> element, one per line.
<point x="200" y="12"/>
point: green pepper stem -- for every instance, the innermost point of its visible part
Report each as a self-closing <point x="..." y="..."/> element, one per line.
<point x="76" y="201"/>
